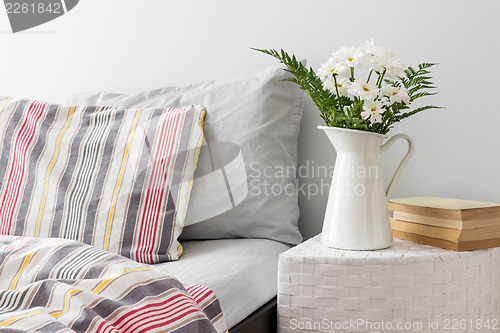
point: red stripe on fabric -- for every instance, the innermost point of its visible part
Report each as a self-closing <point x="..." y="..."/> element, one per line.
<point x="100" y="327"/>
<point x="154" y="315"/>
<point x="19" y="155"/>
<point x="105" y="327"/>
<point x="168" y="321"/>
<point x="194" y="291"/>
<point x="13" y="246"/>
<point x="201" y="298"/>
<point x="174" y="301"/>
<point x="142" y="241"/>
<point x="147" y="209"/>
<point x="199" y="292"/>
<point x="156" y="187"/>
<point x="157" y="315"/>
<point x="22" y="142"/>
<point x="194" y="287"/>
<point x="160" y="181"/>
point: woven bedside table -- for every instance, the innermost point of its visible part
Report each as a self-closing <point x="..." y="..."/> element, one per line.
<point x="406" y="288"/>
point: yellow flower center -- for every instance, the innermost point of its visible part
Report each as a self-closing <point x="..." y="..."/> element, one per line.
<point x="373" y="109"/>
<point x="339" y="85"/>
<point x="394" y="93"/>
<point x="333" y="70"/>
<point x="366" y="89"/>
<point x="350" y="59"/>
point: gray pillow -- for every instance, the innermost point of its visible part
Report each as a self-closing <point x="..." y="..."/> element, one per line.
<point x="245" y="183"/>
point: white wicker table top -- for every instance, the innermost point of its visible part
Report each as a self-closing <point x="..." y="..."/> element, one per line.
<point x="401" y="252"/>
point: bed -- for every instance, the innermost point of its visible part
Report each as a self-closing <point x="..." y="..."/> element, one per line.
<point x="241" y="272"/>
<point x="59" y="285"/>
<point x="186" y="191"/>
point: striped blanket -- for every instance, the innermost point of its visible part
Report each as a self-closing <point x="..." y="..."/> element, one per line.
<point x="58" y="285"/>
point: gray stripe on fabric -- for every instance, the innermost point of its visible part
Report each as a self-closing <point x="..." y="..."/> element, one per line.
<point x="107" y="306"/>
<point x="12" y="300"/>
<point x="9" y="133"/>
<point x="70" y="168"/>
<point x="167" y="224"/>
<point x="167" y="232"/>
<point x="54" y="259"/>
<point x="97" y="269"/>
<point x="182" y="149"/>
<point x="33" y="162"/>
<point x="51" y="327"/>
<point x="72" y="270"/>
<point x="84" y="177"/>
<point x="118" y="116"/>
<point x="212" y="310"/>
<point x="139" y="185"/>
<point x="43" y="294"/>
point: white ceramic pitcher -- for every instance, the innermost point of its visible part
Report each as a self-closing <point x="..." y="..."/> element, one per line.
<point x="356" y="215"/>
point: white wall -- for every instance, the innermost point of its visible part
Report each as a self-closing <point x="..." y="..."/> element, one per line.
<point x="131" y="45"/>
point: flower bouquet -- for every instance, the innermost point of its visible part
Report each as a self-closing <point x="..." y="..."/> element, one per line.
<point x="361" y="93"/>
<point x="364" y="88"/>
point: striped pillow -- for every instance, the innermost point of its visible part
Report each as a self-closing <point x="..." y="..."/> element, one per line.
<point x="118" y="179"/>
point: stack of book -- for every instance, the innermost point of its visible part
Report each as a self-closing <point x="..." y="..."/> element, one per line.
<point x="459" y="225"/>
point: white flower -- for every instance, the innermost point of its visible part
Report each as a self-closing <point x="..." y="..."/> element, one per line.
<point x="364" y="90"/>
<point x="369" y="47"/>
<point x="394" y="68"/>
<point x="372" y="110"/>
<point x="395" y="94"/>
<point x="329" y="85"/>
<point x="330" y="68"/>
<point x="351" y="56"/>
<point x="383" y="60"/>
<point x="342" y="85"/>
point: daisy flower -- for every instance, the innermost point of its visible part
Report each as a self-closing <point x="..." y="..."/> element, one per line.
<point x="383" y="60"/>
<point x="372" y="110"/>
<point x="342" y="85"/>
<point x="395" y="94"/>
<point x="393" y="68"/>
<point x="329" y="84"/>
<point x="369" y="47"/>
<point x="330" y="68"/>
<point x="363" y="90"/>
<point x="351" y="56"/>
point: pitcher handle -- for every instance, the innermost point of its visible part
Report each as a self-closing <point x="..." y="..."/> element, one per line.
<point x="404" y="161"/>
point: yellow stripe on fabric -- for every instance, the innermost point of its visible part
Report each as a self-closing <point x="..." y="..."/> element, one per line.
<point x="107" y="281"/>
<point x="202" y="119"/>
<point x="197" y="155"/>
<point x="115" y="195"/>
<point x="66" y="303"/>
<point x="37" y="232"/>
<point x="95" y="291"/>
<point x="5" y="103"/>
<point x="7" y="322"/>
<point x="26" y="261"/>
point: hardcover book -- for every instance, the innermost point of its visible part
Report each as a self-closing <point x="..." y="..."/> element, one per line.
<point x="454" y="224"/>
